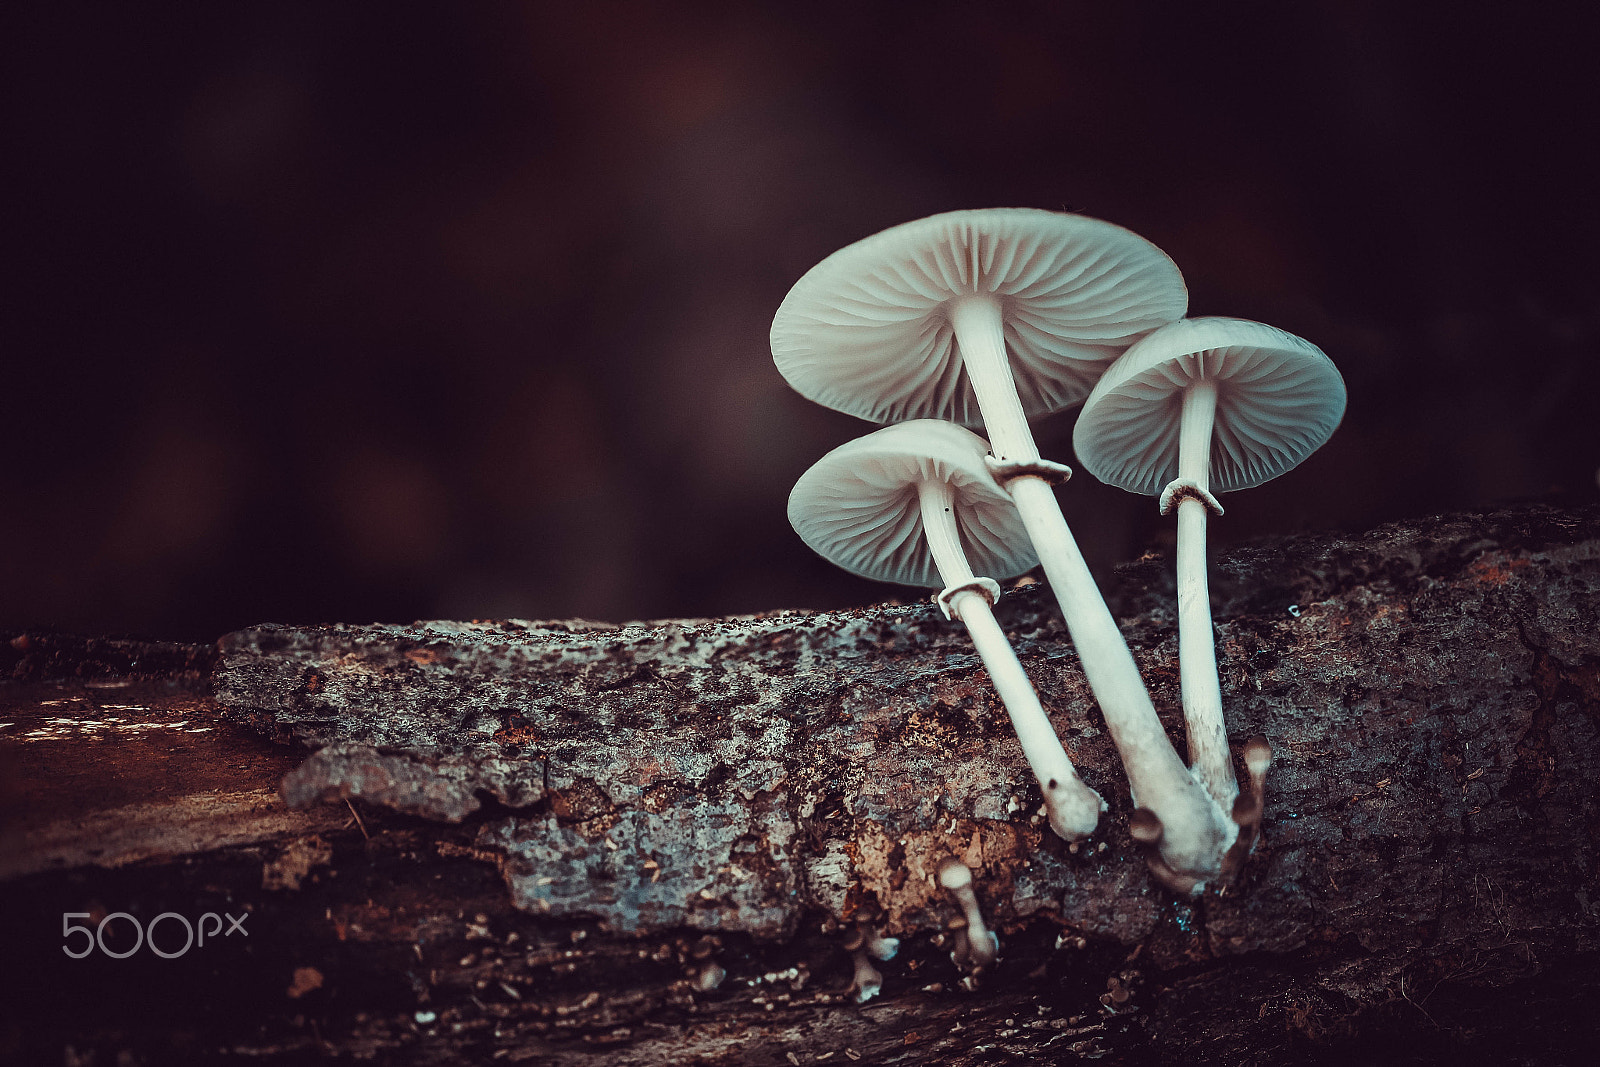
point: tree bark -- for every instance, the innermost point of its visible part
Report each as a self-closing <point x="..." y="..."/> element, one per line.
<point x="577" y="842"/>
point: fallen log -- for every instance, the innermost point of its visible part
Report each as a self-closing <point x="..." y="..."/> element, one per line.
<point x="564" y="842"/>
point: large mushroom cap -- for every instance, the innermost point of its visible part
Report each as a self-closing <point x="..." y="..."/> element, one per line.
<point x="859" y="505"/>
<point x="867" y="331"/>
<point x="1279" y="398"/>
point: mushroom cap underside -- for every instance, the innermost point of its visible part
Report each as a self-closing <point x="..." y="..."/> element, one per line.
<point x="1279" y="398"/>
<point x="867" y="331"/>
<point x="859" y="505"/>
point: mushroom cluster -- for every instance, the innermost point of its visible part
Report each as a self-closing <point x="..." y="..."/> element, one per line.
<point x="985" y="319"/>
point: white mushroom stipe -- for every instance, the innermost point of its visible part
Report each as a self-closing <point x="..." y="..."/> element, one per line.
<point x="1198" y="836"/>
<point x="1074" y="809"/>
<point x="915" y="500"/>
<point x="1201" y="405"/>
<point x="867" y="981"/>
<point x="995" y="316"/>
<point x="979" y="946"/>
<point x="1197" y="653"/>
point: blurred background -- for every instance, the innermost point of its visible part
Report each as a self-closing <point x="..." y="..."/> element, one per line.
<point x="337" y="312"/>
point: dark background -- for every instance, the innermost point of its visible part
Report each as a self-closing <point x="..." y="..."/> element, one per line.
<point x="353" y="312"/>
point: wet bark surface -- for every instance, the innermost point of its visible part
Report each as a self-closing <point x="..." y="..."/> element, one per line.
<point x="584" y="843"/>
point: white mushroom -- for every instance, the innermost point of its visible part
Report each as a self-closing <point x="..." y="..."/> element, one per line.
<point x="710" y="976"/>
<point x="914" y="504"/>
<point x="1247" y="809"/>
<point x="880" y="947"/>
<point x="994" y="316"/>
<point x="1198" y="407"/>
<point x="867" y="981"/>
<point x="979" y="946"/>
<point x="941" y="318"/>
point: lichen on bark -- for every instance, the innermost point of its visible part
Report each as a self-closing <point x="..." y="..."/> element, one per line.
<point x="1432" y="690"/>
<point x="573" y="841"/>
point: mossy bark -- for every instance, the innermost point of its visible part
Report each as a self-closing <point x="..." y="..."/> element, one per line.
<point x="545" y="841"/>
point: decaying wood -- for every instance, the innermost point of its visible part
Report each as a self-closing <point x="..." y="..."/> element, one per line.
<point x="576" y="842"/>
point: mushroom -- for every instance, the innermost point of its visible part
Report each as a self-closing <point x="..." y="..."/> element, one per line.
<point x="977" y="946"/>
<point x="993" y="316"/>
<point x="880" y="947"/>
<point x="914" y="504"/>
<point x="867" y="980"/>
<point x="710" y="976"/>
<point x="1247" y="809"/>
<point x="944" y="317"/>
<point x="1203" y="406"/>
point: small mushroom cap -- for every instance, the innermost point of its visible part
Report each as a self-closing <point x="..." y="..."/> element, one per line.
<point x="1279" y="398"/>
<point x="953" y="874"/>
<point x="1145" y="826"/>
<point x="1258" y="755"/>
<point x="867" y="331"/>
<point x="858" y="505"/>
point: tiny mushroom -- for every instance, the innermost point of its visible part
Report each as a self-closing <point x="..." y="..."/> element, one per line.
<point x="1247" y="809"/>
<point x="710" y="976"/>
<point x="1198" y="407"/>
<point x="914" y="504"/>
<point x="867" y="980"/>
<point x="977" y="946"/>
<point x="992" y="316"/>
<point x="880" y="947"/>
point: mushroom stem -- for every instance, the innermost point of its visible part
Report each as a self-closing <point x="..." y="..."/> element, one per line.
<point x="1197" y="654"/>
<point x="1146" y="829"/>
<point x="867" y="981"/>
<point x="1197" y="834"/>
<point x="1257" y="760"/>
<point x="982" y="945"/>
<point x="1248" y="808"/>
<point x="1073" y="807"/>
<point x="981" y="340"/>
